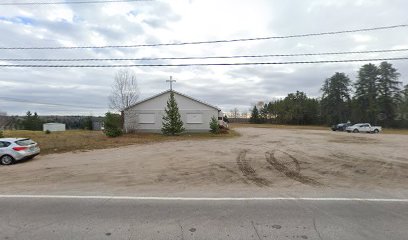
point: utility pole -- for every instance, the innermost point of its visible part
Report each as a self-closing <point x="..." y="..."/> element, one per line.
<point x="171" y="82"/>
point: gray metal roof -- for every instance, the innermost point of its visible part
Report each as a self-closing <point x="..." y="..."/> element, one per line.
<point x="154" y="96"/>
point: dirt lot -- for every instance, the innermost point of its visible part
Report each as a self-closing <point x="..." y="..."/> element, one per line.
<point x="262" y="161"/>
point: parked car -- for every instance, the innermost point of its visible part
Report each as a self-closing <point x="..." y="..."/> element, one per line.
<point x="363" y="127"/>
<point x="17" y="149"/>
<point x="340" y="126"/>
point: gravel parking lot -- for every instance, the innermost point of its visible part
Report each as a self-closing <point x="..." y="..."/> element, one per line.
<point x="262" y="161"/>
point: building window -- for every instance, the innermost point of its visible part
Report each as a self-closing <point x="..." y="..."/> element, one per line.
<point x="146" y="118"/>
<point x="194" y="118"/>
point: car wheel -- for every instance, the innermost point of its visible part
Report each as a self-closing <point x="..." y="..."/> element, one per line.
<point x="376" y="131"/>
<point x="355" y="131"/>
<point x="6" y="160"/>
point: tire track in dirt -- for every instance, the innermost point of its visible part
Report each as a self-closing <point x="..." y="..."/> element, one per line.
<point x="377" y="169"/>
<point x="248" y="172"/>
<point x="291" y="170"/>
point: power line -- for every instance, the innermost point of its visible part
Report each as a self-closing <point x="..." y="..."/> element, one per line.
<point x="200" y="64"/>
<point x="8" y="99"/>
<point x="213" y="41"/>
<point x="192" y="58"/>
<point x="76" y="2"/>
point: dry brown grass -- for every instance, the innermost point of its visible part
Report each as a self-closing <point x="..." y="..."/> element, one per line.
<point x="395" y="131"/>
<point x="81" y="140"/>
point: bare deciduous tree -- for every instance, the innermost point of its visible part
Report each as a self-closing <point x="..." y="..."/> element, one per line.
<point x="260" y="104"/>
<point x="235" y="113"/>
<point x="244" y="115"/>
<point x="3" y="120"/>
<point x="125" y="90"/>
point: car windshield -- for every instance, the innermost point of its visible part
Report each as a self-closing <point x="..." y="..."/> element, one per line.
<point x="25" y="142"/>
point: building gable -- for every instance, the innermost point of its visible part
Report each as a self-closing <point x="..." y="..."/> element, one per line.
<point x="184" y="102"/>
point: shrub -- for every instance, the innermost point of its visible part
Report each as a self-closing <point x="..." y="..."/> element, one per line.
<point x="47" y="131"/>
<point x="113" y="125"/>
<point x="215" y="128"/>
<point x="86" y="123"/>
<point x="1" y="134"/>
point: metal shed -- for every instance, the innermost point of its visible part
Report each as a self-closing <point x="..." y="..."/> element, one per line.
<point x="54" y="127"/>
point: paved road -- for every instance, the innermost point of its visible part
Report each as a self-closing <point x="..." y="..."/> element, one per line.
<point x="33" y="218"/>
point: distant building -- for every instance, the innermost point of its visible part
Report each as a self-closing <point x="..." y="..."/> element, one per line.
<point x="54" y="127"/>
<point x="147" y="115"/>
<point x="97" y="124"/>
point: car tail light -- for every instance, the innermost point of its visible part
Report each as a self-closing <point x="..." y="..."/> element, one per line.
<point x="19" y="148"/>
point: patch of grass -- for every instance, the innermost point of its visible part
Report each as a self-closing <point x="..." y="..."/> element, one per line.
<point x="395" y="131"/>
<point x="82" y="140"/>
<point x="278" y="126"/>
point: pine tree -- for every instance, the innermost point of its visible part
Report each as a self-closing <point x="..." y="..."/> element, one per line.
<point x="402" y="114"/>
<point x="37" y="123"/>
<point x="264" y="113"/>
<point x="365" y="99"/>
<point x="27" y="123"/>
<point x="172" y="124"/>
<point x="255" y="118"/>
<point x="388" y="93"/>
<point x="404" y="94"/>
<point x="32" y="122"/>
<point x="214" y="126"/>
<point x="335" y="101"/>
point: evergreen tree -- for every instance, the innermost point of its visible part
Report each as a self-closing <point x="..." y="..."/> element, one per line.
<point x="404" y="95"/>
<point x="365" y="99"/>
<point x="37" y="123"/>
<point x="402" y="115"/>
<point x="32" y="122"/>
<point x="388" y="93"/>
<point x="271" y="111"/>
<point x="214" y="126"/>
<point x="335" y="101"/>
<point x="27" y="123"/>
<point x="296" y="108"/>
<point x="263" y="113"/>
<point x="172" y="124"/>
<point x="255" y="118"/>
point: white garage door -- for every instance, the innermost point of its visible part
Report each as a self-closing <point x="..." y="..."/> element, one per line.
<point x="146" y="118"/>
<point x="194" y="118"/>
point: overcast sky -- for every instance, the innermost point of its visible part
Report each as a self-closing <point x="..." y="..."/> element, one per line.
<point x="182" y="21"/>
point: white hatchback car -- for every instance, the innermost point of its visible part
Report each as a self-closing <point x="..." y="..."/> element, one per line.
<point x="16" y="149"/>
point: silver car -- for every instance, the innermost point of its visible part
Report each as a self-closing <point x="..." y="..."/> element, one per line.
<point x="16" y="149"/>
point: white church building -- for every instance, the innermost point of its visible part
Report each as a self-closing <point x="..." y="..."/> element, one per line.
<point x="147" y="115"/>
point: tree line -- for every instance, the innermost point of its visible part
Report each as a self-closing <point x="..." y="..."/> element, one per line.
<point x="376" y="96"/>
<point x="34" y="122"/>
